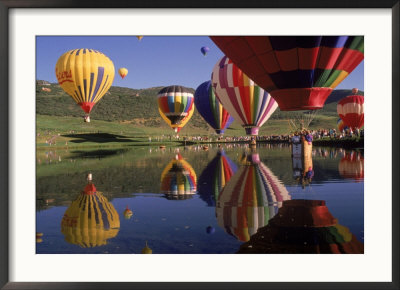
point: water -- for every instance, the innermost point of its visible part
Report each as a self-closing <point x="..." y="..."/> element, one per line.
<point x="188" y="200"/>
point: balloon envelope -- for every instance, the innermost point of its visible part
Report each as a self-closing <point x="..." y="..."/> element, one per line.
<point x="250" y="199"/>
<point x="90" y="220"/>
<point x="214" y="177"/>
<point x="298" y="71"/>
<point x="175" y="102"/>
<point x="123" y="72"/>
<point x="178" y="178"/>
<point x="211" y="109"/>
<point x="204" y="50"/>
<point x="303" y="227"/>
<point x="86" y="75"/>
<point x="351" y="110"/>
<point x="248" y="103"/>
<point x="352" y="166"/>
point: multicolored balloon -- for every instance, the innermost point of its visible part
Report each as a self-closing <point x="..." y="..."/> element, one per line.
<point x="175" y="102"/>
<point x="248" y="103"/>
<point x="214" y="177"/>
<point x="177" y="127"/>
<point x="211" y="109"/>
<point x="250" y="199"/>
<point x="306" y="227"/>
<point x="123" y="72"/>
<point x="178" y="178"/>
<point x="90" y="220"/>
<point x="204" y="50"/>
<point x="298" y="71"/>
<point x="351" y="110"/>
<point x="86" y="75"/>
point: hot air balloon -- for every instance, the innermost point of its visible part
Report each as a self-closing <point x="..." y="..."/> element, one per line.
<point x="147" y="250"/>
<point x="204" y="50"/>
<point x="351" y="110"/>
<point x="298" y="71"/>
<point x="139" y="37"/>
<point x="214" y="177"/>
<point x="177" y="127"/>
<point x="178" y="179"/>
<point x="86" y="75"/>
<point x="303" y="227"/>
<point x="175" y="102"/>
<point x="211" y="109"/>
<point x="341" y="125"/>
<point x="123" y="72"/>
<point x="127" y="213"/>
<point x="250" y="199"/>
<point x="90" y="220"/>
<point x="351" y="166"/>
<point x="248" y="103"/>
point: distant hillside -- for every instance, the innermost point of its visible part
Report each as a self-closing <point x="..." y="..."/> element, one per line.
<point x="134" y="105"/>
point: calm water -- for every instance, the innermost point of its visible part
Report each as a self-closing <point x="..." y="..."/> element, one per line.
<point x="187" y="200"/>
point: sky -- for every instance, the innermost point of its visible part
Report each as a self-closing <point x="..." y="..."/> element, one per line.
<point x="152" y="62"/>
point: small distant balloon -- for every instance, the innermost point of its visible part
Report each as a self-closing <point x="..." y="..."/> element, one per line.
<point x="127" y="213"/>
<point x="204" y="50"/>
<point x="123" y="72"/>
<point x="139" y="37"/>
<point x="147" y="250"/>
<point x="210" y="230"/>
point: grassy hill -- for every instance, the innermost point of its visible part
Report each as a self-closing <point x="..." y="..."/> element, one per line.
<point x="138" y="107"/>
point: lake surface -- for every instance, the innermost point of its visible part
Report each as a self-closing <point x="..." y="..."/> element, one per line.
<point x="185" y="200"/>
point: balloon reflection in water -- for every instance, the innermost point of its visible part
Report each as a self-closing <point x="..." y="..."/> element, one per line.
<point x="214" y="177"/>
<point x="90" y="220"/>
<point x="178" y="180"/>
<point x="250" y="198"/>
<point x="352" y="166"/>
<point x="303" y="226"/>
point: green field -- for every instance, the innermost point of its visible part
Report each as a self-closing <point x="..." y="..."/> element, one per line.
<point x="98" y="133"/>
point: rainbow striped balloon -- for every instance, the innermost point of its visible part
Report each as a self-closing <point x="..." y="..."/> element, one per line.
<point x="211" y="109"/>
<point x="250" y="199"/>
<point x="178" y="178"/>
<point x="175" y="102"/>
<point x="248" y="103"/>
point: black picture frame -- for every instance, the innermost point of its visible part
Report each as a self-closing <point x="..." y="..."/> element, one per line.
<point x="6" y="5"/>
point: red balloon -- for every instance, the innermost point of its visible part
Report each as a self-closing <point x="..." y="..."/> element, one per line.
<point x="351" y="110"/>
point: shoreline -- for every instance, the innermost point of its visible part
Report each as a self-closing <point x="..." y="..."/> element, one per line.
<point x="325" y="142"/>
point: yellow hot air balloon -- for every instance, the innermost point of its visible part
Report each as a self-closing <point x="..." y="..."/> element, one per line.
<point x="123" y="72"/>
<point x="177" y="127"/>
<point x="86" y="75"/>
<point x="139" y="37"/>
<point x="90" y="220"/>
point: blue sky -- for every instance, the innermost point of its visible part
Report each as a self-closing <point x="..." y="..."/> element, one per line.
<point x="153" y="61"/>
